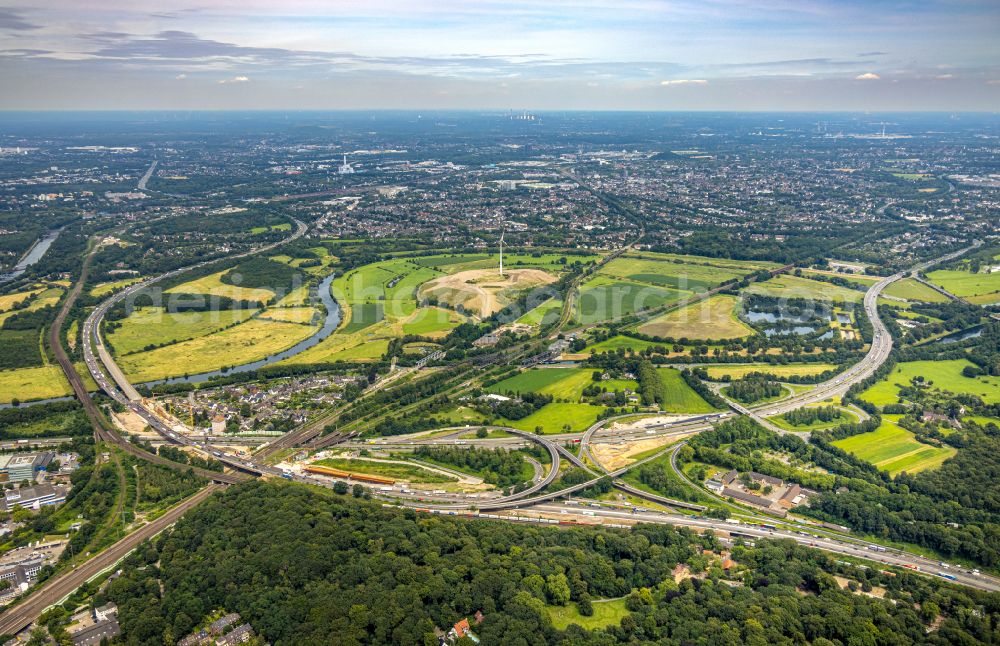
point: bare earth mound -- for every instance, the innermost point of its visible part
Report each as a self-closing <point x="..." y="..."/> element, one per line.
<point x="483" y="291"/>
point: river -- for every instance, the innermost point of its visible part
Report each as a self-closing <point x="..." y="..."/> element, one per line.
<point x="34" y="254"/>
<point x="329" y="325"/>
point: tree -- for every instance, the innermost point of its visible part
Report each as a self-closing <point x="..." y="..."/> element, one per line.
<point x="340" y="487"/>
<point x="584" y="605"/>
<point x="358" y="491"/>
<point x="557" y="589"/>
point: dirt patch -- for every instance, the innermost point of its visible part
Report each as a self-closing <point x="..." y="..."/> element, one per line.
<point x="616" y="456"/>
<point x="483" y="291"/>
<point x="130" y="421"/>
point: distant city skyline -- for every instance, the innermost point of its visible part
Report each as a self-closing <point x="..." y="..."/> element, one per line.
<point x="592" y="55"/>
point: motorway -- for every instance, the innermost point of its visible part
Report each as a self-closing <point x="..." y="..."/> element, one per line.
<point x="857" y="549"/>
<point x="878" y="352"/>
<point x="59" y="587"/>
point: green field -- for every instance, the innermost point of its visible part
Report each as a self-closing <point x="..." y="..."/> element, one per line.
<point x="606" y="613"/>
<point x="738" y="370"/>
<point x="154" y="326"/>
<point x="622" y="343"/>
<point x="914" y="290"/>
<point x="103" y="289"/>
<point x="981" y="288"/>
<point x="41" y="382"/>
<point x="713" y="318"/>
<point x="213" y="285"/>
<point x="846" y="417"/>
<point x="555" y="416"/>
<point x="679" y="396"/>
<point x="607" y="299"/>
<point x="561" y="383"/>
<point x="667" y="273"/>
<point x="432" y="322"/>
<point x="408" y="472"/>
<point x="786" y="286"/>
<point x="892" y="448"/>
<point x="945" y="375"/>
<point x="249" y="341"/>
<point x="547" y="312"/>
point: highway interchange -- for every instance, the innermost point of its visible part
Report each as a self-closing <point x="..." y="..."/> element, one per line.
<point x="113" y="381"/>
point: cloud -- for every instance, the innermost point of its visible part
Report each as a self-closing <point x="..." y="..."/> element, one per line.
<point x="867" y="76"/>
<point x="181" y="77"/>
<point x="13" y="21"/>
<point x="871" y="54"/>
<point x="944" y="77"/>
<point x="684" y="82"/>
<point x="235" y="79"/>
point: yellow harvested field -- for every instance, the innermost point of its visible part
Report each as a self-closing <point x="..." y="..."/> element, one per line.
<point x="291" y="314"/>
<point x="298" y="296"/>
<point x="10" y="300"/>
<point x="106" y="288"/>
<point x="250" y="341"/>
<point x="738" y="370"/>
<point x="714" y="318"/>
<point x="213" y="285"/>
<point x="27" y="384"/>
<point x="483" y="291"/>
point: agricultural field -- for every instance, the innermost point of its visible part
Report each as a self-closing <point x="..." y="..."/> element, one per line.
<point x="944" y="375"/>
<point x="606" y="613"/>
<point x="619" y="342"/>
<point x="678" y="272"/>
<point x="786" y="286"/>
<point x="291" y="314"/>
<point x="846" y="417"/>
<point x="560" y="383"/>
<point x="154" y="326"/>
<point x="679" y="396"/>
<point x="433" y="322"/>
<point x="778" y="370"/>
<point x="249" y="341"/>
<point x="914" y="290"/>
<point x="39" y="298"/>
<point x="380" y="301"/>
<point x="894" y="449"/>
<point x="103" y="289"/>
<point x="545" y="313"/>
<point x="8" y="301"/>
<point x="213" y="285"/>
<point x="603" y="298"/>
<point x="41" y="382"/>
<point x="558" y="418"/>
<point x="981" y="288"/>
<point x="713" y="318"/>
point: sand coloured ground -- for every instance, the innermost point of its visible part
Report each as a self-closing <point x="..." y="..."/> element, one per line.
<point x="483" y="291"/>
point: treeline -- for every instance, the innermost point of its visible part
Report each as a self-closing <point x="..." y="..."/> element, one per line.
<point x="55" y="419"/>
<point x="264" y="273"/>
<point x="183" y="457"/>
<point x="498" y="467"/>
<point x="695" y="380"/>
<point x="811" y="414"/>
<point x="754" y="387"/>
<point x="369" y="574"/>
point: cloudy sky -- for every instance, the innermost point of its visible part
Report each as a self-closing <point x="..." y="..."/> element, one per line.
<point x="544" y="54"/>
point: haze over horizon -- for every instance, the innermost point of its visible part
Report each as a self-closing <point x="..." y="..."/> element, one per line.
<point x="601" y="55"/>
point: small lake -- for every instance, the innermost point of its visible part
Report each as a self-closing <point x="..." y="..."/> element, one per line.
<point x="329" y="325"/>
<point x="799" y="330"/>
<point x="962" y="335"/>
<point x="771" y="317"/>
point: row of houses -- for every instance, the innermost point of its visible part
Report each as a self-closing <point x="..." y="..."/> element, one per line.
<point x="228" y="630"/>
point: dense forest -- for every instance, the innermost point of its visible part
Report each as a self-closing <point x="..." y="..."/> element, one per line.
<point x="315" y="568"/>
